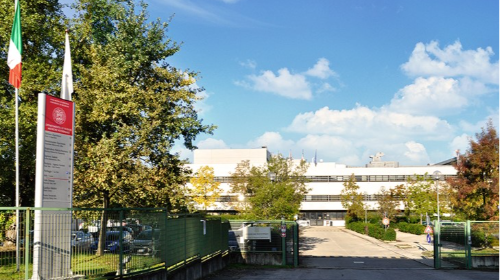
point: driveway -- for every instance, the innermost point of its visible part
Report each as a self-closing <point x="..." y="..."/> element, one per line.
<point x="337" y="253"/>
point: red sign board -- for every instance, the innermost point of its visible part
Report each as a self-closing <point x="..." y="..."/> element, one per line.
<point x="386" y="221"/>
<point x="59" y="116"/>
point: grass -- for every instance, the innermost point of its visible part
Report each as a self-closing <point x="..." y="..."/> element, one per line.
<point x="84" y="264"/>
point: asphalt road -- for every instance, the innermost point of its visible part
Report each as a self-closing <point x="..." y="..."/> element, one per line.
<point x="335" y="253"/>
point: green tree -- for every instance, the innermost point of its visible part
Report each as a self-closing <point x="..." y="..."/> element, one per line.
<point x="271" y="191"/>
<point x="205" y="190"/>
<point x="387" y="203"/>
<point x="42" y="24"/>
<point x="352" y="199"/>
<point x="423" y="195"/>
<point x="475" y="195"/>
<point x="403" y="193"/>
<point x="131" y="108"/>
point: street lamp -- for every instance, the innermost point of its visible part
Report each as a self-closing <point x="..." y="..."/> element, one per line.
<point x="436" y="176"/>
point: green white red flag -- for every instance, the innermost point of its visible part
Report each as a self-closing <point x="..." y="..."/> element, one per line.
<point x="15" y="50"/>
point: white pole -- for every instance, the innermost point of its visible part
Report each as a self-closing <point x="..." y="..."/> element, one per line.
<point x="17" y="179"/>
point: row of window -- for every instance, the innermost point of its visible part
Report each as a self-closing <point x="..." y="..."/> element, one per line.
<point x="307" y="198"/>
<point x="359" y="178"/>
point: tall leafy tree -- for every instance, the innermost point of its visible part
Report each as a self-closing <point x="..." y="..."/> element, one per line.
<point x="475" y="195"/>
<point x="271" y="191"/>
<point x="205" y="190"/>
<point x="132" y="107"/>
<point x="352" y="199"/>
<point x="42" y="24"/>
<point x="423" y="195"/>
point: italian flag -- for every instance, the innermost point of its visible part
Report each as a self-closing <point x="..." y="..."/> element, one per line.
<point x="15" y="50"/>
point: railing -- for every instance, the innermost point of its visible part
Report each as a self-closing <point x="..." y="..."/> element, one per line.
<point x="65" y="242"/>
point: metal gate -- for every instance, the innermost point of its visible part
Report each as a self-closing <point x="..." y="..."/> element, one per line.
<point x="450" y="246"/>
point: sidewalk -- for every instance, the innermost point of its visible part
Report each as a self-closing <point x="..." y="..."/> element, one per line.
<point x="408" y="245"/>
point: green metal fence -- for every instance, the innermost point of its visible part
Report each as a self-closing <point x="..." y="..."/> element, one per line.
<point x="133" y="241"/>
<point x="466" y="244"/>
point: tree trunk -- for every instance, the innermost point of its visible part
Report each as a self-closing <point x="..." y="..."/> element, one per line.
<point x="104" y="222"/>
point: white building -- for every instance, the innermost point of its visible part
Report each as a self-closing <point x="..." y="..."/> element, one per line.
<point x="322" y="204"/>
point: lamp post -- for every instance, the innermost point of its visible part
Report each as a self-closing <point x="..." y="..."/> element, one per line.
<point x="436" y="176"/>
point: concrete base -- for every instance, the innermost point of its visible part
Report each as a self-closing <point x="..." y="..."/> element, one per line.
<point x="256" y="258"/>
<point x="485" y="261"/>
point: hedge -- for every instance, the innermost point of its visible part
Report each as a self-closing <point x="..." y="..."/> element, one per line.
<point x="417" y="229"/>
<point x="375" y="231"/>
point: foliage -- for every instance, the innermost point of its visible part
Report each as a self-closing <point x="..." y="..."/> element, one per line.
<point x="475" y="195"/>
<point x="270" y="197"/>
<point x="43" y="42"/>
<point x="205" y="190"/>
<point x="403" y="193"/>
<point x="388" y="203"/>
<point x="132" y="107"/>
<point x="423" y="195"/>
<point x="375" y="231"/>
<point x="352" y="199"/>
<point x="417" y="229"/>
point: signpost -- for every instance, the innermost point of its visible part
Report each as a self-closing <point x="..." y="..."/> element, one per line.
<point x="53" y="187"/>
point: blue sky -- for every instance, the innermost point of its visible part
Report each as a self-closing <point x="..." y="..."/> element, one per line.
<point x="412" y="79"/>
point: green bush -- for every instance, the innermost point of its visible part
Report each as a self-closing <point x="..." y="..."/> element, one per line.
<point x="417" y="229"/>
<point x="375" y="231"/>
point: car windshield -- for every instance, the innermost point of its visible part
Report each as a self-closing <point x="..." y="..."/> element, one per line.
<point x="113" y="236"/>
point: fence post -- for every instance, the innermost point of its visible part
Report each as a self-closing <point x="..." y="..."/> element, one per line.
<point x="468" y="245"/>
<point x="437" y="251"/>
<point x="283" y="241"/>
<point x="27" y="245"/>
<point x="295" y="245"/>
<point x="120" y="242"/>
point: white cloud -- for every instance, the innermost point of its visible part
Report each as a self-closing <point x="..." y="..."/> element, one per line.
<point x="249" y="63"/>
<point x="211" y="143"/>
<point x="326" y="87"/>
<point x="460" y="143"/>
<point x="434" y="95"/>
<point x="321" y="69"/>
<point x="291" y="85"/>
<point x="367" y="123"/>
<point x="286" y="84"/>
<point x="430" y="60"/>
<point x="416" y="152"/>
<point x="273" y="141"/>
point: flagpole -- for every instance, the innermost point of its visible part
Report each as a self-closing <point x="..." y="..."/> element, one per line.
<point x="17" y="179"/>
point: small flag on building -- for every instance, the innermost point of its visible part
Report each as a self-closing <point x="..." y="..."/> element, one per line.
<point x="67" y="75"/>
<point x="15" y="50"/>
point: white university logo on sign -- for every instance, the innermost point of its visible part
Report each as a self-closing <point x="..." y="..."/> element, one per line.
<point x="59" y="116"/>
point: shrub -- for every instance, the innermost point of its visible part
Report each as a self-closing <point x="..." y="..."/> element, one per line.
<point x="375" y="231"/>
<point x="417" y="229"/>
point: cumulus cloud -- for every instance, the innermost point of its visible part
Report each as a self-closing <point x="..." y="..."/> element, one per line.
<point x="416" y="152"/>
<point x="286" y="84"/>
<point x="201" y="106"/>
<point x="369" y="123"/>
<point x="430" y="60"/>
<point x="291" y="85"/>
<point x="321" y="69"/>
<point x="211" y="143"/>
<point x="273" y="141"/>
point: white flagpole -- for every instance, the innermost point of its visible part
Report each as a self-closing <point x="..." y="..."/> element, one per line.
<point x="17" y="180"/>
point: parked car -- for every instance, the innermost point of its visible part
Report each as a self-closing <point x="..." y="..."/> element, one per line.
<point x="113" y="241"/>
<point x="147" y="242"/>
<point x="136" y="228"/>
<point x="81" y="241"/>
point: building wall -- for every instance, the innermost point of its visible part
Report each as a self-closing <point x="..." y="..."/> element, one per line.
<point x="326" y="178"/>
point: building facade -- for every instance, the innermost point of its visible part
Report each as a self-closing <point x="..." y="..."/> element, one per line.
<point x="321" y="206"/>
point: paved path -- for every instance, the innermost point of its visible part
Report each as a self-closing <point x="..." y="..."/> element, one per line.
<point x="337" y="253"/>
<point x="336" y="247"/>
